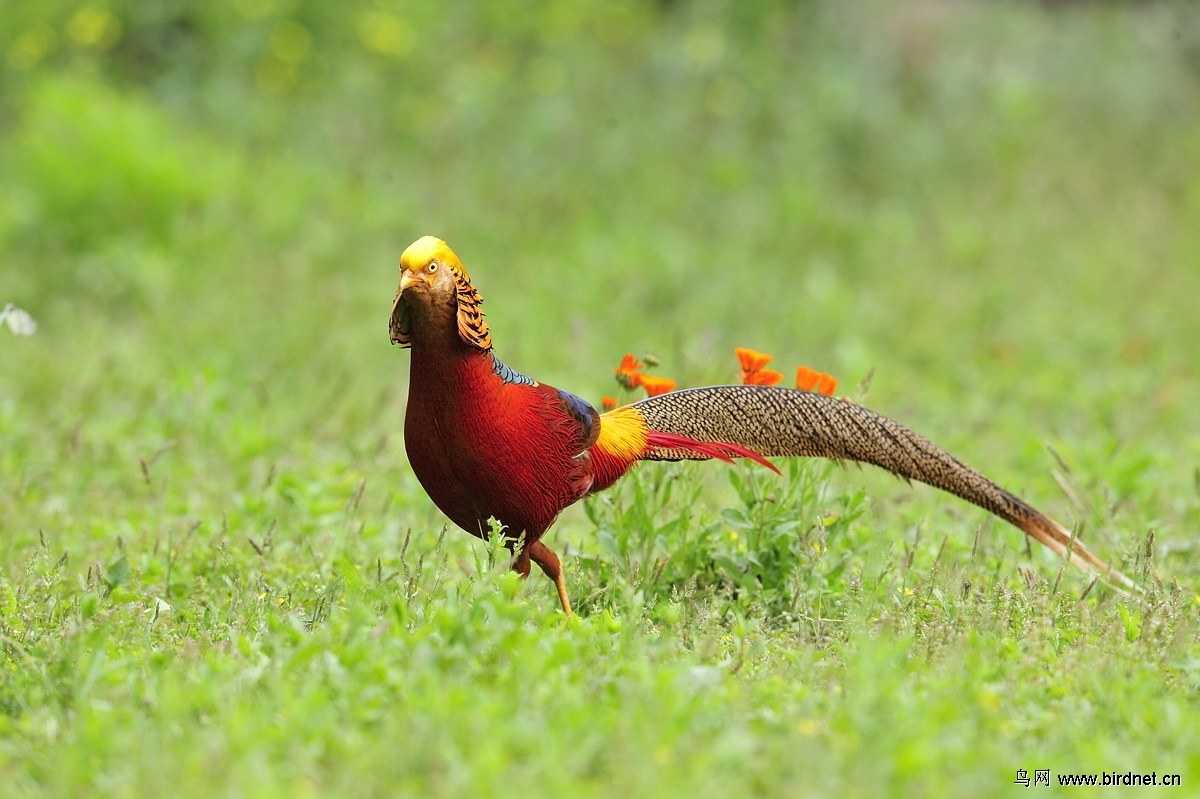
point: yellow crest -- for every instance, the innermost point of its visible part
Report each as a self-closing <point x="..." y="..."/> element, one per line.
<point x="472" y="329"/>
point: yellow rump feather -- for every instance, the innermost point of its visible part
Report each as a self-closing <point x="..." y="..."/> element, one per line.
<point x="623" y="434"/>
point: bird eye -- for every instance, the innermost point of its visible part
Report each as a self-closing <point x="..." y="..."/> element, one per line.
<point x="432" y="266"/>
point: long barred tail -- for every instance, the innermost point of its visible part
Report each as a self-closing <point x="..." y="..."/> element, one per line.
<point x="788" y="422"/>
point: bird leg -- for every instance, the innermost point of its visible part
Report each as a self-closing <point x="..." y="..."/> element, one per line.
<point x="544" y="557"/>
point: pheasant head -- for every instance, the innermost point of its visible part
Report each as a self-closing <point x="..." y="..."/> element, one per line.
<point x="435" y="292"/>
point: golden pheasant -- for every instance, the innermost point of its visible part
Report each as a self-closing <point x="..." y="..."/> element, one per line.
<point x="487" y="442"/>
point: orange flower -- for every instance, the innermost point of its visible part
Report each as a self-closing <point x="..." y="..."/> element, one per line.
<point x="627" y="373"/>
<point x="806" y="379"/>
<point x="751" y="360"/>
<point x="629" y="365"/>
<point x="761" y="377"/>
<point x="753" y="373"/>
<point x="656" y="385"/>
<point x="812" y="380"/>
<point x="608" y="403"/>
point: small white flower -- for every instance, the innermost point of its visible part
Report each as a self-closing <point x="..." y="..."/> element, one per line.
<point x="18" y="321"/>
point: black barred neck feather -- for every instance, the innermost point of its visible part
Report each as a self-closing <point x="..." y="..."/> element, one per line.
<point x="472" y="329"/>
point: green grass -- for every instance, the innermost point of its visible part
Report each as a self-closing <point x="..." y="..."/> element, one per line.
<point x="218" y="576"/>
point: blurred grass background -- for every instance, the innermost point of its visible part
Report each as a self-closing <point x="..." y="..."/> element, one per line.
<point x="994" y="206"/>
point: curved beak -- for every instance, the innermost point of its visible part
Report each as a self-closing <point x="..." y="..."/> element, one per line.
<point x="407" y="279"/>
